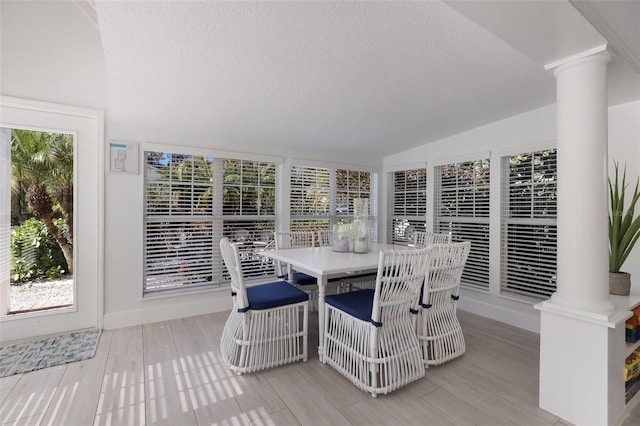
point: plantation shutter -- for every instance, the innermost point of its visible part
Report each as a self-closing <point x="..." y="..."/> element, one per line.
<point x="249" y="197"/>
<point x="178" y="226"/>
<point x="191" y="202"/>
<point x="407" y="205"/>
<point x="461" y="207"/>
<point x="310" y="199"/>
<point x="320" y="197"/>
<point x="373" y="206"/>
<point x="529" y="225"/>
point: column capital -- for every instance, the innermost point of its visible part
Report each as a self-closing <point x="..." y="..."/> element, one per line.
<point x="596" y="54"/>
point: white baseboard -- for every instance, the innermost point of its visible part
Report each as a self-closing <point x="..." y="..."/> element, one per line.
<point x="166" y="312"/>
<point x="500" y="313"/>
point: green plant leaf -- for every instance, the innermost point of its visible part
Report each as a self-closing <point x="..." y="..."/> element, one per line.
<point x="624" y="230"/>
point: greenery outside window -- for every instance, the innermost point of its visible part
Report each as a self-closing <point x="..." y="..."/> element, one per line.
<point x="407" y="205"/>
<point x="193" y="201"/>
<point x="529" y="225"/>
<point x="461" y="207"/>
<point x="321" y="197"/>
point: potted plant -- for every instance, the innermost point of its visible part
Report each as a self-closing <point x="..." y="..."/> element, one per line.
<point x="624" y="232"/>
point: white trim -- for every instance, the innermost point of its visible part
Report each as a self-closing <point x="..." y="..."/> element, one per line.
<point x="462" y="158"/>
<point x="611" y="34"/>
<point x="577" y="56"/>
<point x="40" y="313"/>
<point x="206" y="152"/>
<point x="408" y="166"/>
<point x="532" y="147"/>
<point x="332" y="165"/>
<point x="5" y="220"/>
<point x="500" y="313"/>
<point x="101" y="194"/>
<point x="611" y="320"/>
<point x="219" y="303"/>
<point x="97" y="120"/>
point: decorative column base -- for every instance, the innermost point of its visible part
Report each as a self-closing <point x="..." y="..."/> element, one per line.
<point x="581" y="359"/>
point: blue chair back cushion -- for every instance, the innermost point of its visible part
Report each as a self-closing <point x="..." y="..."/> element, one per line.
<point x="272" y="295"/>
<point x="358" y="304"/>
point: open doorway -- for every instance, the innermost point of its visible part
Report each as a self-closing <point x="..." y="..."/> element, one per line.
<point x="41" y="204"/>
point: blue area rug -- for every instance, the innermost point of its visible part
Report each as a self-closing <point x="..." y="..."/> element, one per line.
<point x="47" y="352"/>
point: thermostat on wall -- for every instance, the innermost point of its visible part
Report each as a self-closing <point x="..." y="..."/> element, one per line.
<point x="123" y="157"/>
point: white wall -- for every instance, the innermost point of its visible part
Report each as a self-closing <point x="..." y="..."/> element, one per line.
<point x="522" y="131"/>
<point x="624" y="147"/>
<point x="51" y="52"/>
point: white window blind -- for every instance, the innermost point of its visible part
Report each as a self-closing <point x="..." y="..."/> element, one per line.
<point x="351" y="184"/>
<point x="407" y="205"/>
<point x="321" y="197"/>
<point x="461" y="207"/>
<point x="193" y="201"/>
<point x="249" y="196"/>
<point x="529" y="225"/>
<point x="310" y="199"/>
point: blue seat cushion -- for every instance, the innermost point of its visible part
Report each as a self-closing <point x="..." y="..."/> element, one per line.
<point x="272" y="295"/>
<point x="358" y="304"/>
<point x="301" y="278"/>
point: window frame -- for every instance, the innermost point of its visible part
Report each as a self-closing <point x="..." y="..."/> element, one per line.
<point x="417" y="221"/>
<point x="477" y="273"/>
<point x="220" y="224"/>
<point x="330" y="215"/>
<point x="539" y="290"/>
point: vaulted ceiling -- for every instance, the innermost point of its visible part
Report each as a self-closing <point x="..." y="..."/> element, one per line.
<point x="379" y="77"/>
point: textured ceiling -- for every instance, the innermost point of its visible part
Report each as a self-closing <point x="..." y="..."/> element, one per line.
<point x="343" y="77"/>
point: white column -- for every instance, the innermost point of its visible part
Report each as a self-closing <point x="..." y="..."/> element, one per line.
<point x="581" y="333"/>
<point x="583" y="240"/>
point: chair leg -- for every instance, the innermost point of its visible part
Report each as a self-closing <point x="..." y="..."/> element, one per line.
<point x="305" y="328"/>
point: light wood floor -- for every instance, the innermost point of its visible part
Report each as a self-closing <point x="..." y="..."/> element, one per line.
<point x="170" y="373"/>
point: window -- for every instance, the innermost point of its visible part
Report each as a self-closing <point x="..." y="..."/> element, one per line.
<point x="529" y="230"/>
<point x="461" y="206"/>
<point x="321" y="197"/>
<point x="407" y="205"/>
<point x="249" y="206"/>
<point x="193" y="201"/>
<point x="310" y="198"/>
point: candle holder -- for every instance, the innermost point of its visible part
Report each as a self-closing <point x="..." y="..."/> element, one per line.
<point x="342" y="238"/>
<point x="361" y="232"/>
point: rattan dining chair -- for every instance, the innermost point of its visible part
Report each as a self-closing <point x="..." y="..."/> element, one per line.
<point x="438" y="328"/>
<point x="324" y="237"/>
<point x="294" y="239"/>
<point x="268" y="324"/>
<point x="369" y="335"/>
<point x="424" y="238"/>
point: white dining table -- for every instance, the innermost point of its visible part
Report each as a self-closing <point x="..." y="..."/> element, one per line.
<point x="324" y="263"/>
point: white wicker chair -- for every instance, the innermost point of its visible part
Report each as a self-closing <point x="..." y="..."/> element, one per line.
<point x="438" y="328"/>
<point x="423" y="239"/>
<point x="369" y="335"/>
<point x="324" y="237"/>
<point x="264" y="328"/>
<point x="294" y="239"/>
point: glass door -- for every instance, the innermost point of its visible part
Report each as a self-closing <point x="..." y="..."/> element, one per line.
<point x="51" y="163"/>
